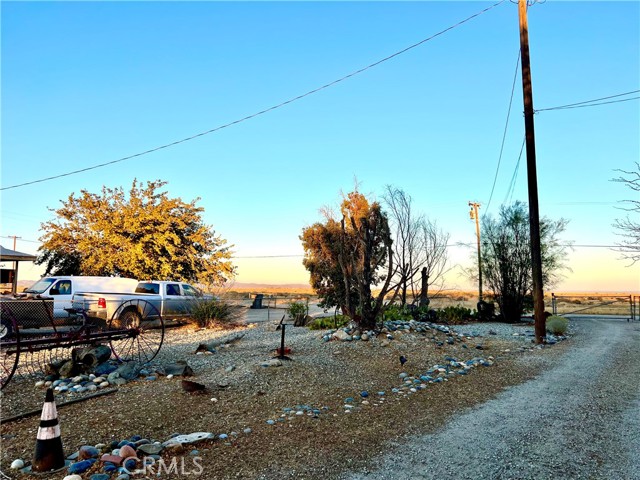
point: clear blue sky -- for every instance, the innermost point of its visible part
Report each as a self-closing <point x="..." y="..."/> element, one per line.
<point x="87" y="83"/>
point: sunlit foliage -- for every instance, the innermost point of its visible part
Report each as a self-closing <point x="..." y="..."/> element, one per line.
<point x="144" y="234"/>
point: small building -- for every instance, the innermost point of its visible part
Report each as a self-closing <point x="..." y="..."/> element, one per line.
<point x="10" y="275"/>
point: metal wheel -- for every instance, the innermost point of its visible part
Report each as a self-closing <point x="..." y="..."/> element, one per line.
<point x="9" y="349"/>
<point x="143" y="327"/>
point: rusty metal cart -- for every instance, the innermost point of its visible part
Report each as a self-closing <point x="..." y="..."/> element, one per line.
<point x="32" y="338"/>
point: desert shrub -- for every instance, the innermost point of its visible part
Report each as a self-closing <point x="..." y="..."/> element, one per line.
<point x="557" y="325"/>
<point x="327" y="323"/>
<point x="214" y="312"/>
<point x="296" y="310"/>
<point x="455" y="314"/>
<point x="397" y="312"/>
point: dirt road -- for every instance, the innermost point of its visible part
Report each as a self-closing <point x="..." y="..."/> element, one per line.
<point x="578" y="420"/>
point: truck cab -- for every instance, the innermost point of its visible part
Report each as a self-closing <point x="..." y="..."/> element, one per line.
<point x="62" y="288"/>
<point x="177" y="297"/>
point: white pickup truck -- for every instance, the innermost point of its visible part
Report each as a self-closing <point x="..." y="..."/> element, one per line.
<point x="171" y="300"/>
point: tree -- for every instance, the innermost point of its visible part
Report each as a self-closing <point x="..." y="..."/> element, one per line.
<point x="630" y="228"/>
<point x="144" y="235"/>
<point x="347" y="257"/>
<point x="407" y="245"/>
<point x="506" y="257"/>
<point x="434" y="242"/>
<point x="418" y="245"/>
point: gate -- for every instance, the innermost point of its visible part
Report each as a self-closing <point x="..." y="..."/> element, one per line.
<point x="596" y="305"/>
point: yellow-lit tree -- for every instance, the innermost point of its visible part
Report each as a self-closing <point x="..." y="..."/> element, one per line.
<point x="347" y="257"/>
<point x="145" y="235"/>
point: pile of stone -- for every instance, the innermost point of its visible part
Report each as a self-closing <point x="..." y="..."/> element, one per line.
<point x="112" y="373"/>
<point x="351" y="333"/>
<point x="133" y="456"/>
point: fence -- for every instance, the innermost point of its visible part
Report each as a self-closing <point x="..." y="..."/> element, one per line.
<point x="590" y="304"/>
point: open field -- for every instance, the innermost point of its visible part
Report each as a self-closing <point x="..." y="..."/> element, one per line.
<point x="585" y="303"/>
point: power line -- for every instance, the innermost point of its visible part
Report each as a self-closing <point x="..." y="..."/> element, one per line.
<point x="269" y="256"/>
<point x="21" y="239"/>
<point x="261" y="112"/>
<point x="504" y="134"/>
<point x="589" y="103"/>
<point x="512" y="185"/>
<point x="586" y="103"/>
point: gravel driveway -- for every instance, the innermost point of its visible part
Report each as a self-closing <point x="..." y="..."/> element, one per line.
<point x="578" y="420"/>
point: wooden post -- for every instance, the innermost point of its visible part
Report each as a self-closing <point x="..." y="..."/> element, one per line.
<point x="534" y="213"/>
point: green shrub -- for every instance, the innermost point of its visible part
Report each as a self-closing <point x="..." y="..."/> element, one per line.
<point x="557" y="325"/>
<point x="455" y="314"/>
<point x="296" y="310"/>
<point x="215" y="312"/>
<point x="397" y="312"/>
<point x="327" y="323"/>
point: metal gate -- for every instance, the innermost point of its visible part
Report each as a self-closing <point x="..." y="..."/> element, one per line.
<point x="625" y="305"/>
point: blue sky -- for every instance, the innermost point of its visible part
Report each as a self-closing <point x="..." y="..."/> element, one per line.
<point x="89" y="82"/>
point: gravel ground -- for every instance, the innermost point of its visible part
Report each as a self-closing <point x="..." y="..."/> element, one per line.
<point x="578" y="420"/>
<point x="321" y="375"/>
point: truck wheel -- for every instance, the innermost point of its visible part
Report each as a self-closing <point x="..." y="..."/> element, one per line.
<point x="6" y="329"/>
<point x="130" y="318"/>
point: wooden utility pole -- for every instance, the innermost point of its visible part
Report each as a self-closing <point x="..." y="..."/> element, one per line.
<point x="14" y="283"/>
<point x="534" y="213"/>
<point x="474" y="215"/>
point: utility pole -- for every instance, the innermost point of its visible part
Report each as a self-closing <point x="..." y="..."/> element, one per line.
<point x="534" y="213"/>
<point x="473" y="213"/>
<point x="14" y="283"/>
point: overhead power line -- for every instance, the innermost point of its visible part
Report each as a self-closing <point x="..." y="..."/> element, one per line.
<point x="590" y="103"/>
<point x="587" y="103"/>
<point x="504" y="134"/>
<point x="261" y="112"/>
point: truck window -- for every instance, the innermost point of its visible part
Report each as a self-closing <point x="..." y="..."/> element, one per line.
<point x="63" y="287"/>
<point x="173" y="289"/>
<point x="191" y="291"/>
<point x="40" y="286"/>
<point x="147" y="287"/>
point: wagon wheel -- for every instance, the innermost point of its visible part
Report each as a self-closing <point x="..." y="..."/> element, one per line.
<point x="137" y="329"/>
<point x="9" y="349"/>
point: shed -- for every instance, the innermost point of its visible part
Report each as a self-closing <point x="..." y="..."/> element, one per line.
<point x="7" y="255"/>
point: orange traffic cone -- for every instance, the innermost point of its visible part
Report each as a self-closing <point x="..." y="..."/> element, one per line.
<point x="49" y="454"/>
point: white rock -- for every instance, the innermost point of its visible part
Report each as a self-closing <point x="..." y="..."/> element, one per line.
<point x="274" y="362"/>
<point x="17" y="464"/>
<point x="72" y="477"/>
<point x="40" y="383"/>
<point x="342" y="336"/>
<point x="103" y="384"/>
<point x="191" y="438"/>
<point x="98" y="380"/>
